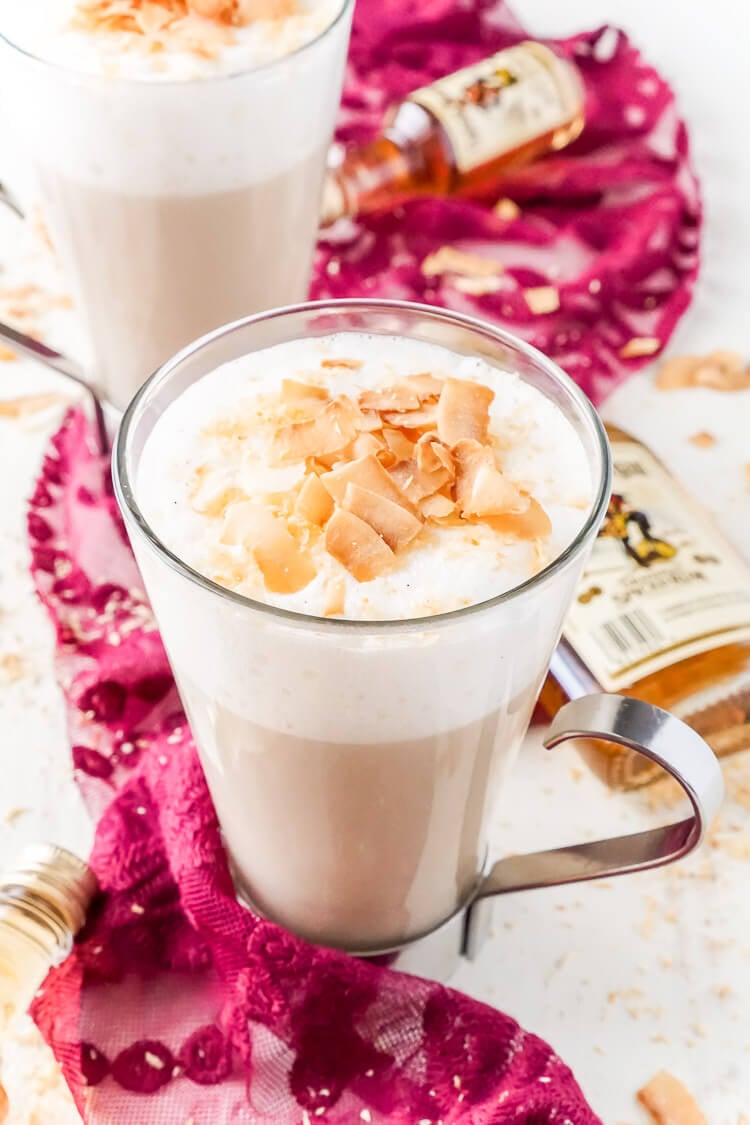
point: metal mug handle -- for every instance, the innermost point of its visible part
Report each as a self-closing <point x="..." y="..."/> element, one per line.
<point x="9" y="201"/>
<point x="663" y="739"/>
<point x="640" y="726"/>
<point x="63" y="364"/>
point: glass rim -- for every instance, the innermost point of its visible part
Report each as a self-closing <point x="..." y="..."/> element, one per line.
<point x="171" y="83"/>
<point x="125" y="492"/>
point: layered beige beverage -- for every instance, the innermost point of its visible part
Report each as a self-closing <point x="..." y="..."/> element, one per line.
<point x="177" y="148"/>
<point x="353" y="497"/>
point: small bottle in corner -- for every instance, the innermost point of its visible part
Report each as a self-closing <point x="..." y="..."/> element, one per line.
<point x="662" y="614"/>
<point x="459" y="135"/>
<point x="44" y="900"/>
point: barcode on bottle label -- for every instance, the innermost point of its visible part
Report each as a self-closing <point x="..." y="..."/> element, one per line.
<point x="661" y="585"/>
<point x="630" y="634"/>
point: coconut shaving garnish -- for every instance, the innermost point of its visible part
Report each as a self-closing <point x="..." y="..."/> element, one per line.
<point x="380" y="471"/>
<point x="201" y="27"/>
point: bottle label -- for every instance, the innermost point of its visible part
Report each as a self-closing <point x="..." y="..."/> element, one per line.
<point x="661" y="584"/>
<point x="499" y="104"/>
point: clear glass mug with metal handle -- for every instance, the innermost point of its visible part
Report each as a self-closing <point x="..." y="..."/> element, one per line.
<point x="175" y="203"/>
<point x="354" y="764"/>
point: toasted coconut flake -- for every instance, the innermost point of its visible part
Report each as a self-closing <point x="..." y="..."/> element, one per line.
<point x="478" y="286"/>
<point x="348" y="364"/>
<point x="422" y="419"/>
<point x="353" y="543"/>
<point x="387" y="457"/>
<point x="532" y="525"/>
<point x="334" y="603"/>
<point x="676" y="373"/>
<point x="398" y="397"/>
<point x="720" y="370"/>
<point x="542" y="299"/>
<point x="329" y="432"/>
<point x="702" y="440"/>
<point x="152" y="18"/>
<point x="365" y="444"/>
<point x="248" y="11"/>
<point x="425" y="384"/>
<point x="28" y="404"/>
<point x="210" y="492"/>
<point x="294" y="391"/>
<point x="415" y="483"/>
<point x="314" y="502"/>
<point x="481" y="489"/>
<point x="463" y="411"/>
<point x="368" y="473"/>
<point x="368" y="421"/>
<point x="399" y="445"/>
<point x="640" y="346"/>
<point x="285" y="565"/>
<point x="669" y="1103"/>
<point x="392" y="522"/>
<point x="437" y="507"/>
<point x="432" y="456"/>
<point x="211" y="9"/>
<point x="507" y="209"/>
<point x="448" y="259"/>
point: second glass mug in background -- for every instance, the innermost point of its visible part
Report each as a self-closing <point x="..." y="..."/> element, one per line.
<point x="175" y="205"/>
<point x="354" y="764"/>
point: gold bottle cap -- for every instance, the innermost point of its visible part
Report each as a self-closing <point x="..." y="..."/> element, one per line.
<point x="56" y="875"/>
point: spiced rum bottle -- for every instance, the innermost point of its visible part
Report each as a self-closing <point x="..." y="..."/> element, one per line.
<point x="662" y="614"/>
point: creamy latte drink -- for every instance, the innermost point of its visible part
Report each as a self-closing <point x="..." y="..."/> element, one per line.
<point x="354" y="496"/>
<point x="178" y="157"/>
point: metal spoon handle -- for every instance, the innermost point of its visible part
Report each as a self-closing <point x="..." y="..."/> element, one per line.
<point x="64" y="365"/>
<point x="9" y="201"/>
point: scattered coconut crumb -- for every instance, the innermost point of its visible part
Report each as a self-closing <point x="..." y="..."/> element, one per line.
<point x="640" y="346"/>
<point x="703" y="439"/>
<point x="12" y="667"/>
<point x="448" y="259"/>
<point x="477" y="286"/>
<point x="542" y="299"/>
<point x="12" y="815"/>
<point x="668" y="1102"/>
<point x="28" y="404"/>
<point x="721" y="370"/>
<point x="7" y="355"/>
<point x="507" y="209"/>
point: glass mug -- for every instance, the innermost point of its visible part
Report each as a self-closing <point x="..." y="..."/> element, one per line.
<point x="353" y="764"/>
<point x="175" y="205"/>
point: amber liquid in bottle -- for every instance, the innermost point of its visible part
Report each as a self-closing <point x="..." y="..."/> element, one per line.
<point x="709" y="689"/>
<point x="460" y="134"/>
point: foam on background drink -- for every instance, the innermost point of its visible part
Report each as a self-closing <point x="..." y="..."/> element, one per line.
<point x="179" y="168"/>
<point x="353" y="749"/>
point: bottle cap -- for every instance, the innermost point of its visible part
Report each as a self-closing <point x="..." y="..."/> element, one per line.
<point x="59" y="877"/>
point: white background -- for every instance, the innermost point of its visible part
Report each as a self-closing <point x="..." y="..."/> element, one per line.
<point x="623" y="978"/>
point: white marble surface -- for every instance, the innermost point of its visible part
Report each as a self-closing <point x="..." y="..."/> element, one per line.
<point x="626" y="977"/>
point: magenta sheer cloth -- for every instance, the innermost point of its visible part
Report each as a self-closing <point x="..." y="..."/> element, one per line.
<point x="178" y="1006"/>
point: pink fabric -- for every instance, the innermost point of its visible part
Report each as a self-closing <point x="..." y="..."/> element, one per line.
<point x="178" y="1005"/>
<point x="613" y="221"/>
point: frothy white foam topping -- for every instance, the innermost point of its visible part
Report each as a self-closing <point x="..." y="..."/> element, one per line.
<point x="446" y="569"/>
<point x="45" y="29"/>
<point x="242" y="122"/>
